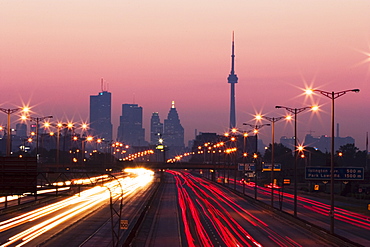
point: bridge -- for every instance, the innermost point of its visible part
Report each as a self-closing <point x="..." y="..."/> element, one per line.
<point x="44" y="167"/>
<point x="180" y="165"/>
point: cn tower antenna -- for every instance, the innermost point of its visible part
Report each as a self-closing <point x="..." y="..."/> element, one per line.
<point x="232" y="56"/>
<point x="232" y="79"/>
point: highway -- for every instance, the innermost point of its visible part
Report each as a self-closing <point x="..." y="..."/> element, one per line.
<point x="315" y="210"/>
<point x="48" y="223"/>
<point x="187" y="210"/>
<point x="49" y="189"/>
<point x="210" y="215"/>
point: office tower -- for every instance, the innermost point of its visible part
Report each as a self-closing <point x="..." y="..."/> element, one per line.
<point x="100" y="115"/>
<point x="173" y="132"/>
<point x="156" y="128"/>
<point x="232" y="79"/>
<point x="130" y="130"/>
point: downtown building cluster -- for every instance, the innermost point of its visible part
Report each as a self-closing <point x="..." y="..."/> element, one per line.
<point x="130" y="130"/>
<point x="70" y="137"/>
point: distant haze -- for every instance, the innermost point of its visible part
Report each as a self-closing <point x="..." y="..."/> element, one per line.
<point x="53" y="55"/>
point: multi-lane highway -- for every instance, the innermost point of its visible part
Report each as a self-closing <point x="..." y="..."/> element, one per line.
<point x="210" y="215"/>
<point x="187" y="210"/>
<point x="315" y="210"/>
<point x="51" y="223"/>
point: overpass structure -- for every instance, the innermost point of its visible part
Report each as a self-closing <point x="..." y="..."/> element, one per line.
<point x="180" y="165"/>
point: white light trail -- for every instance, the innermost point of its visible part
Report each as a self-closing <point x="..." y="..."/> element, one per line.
<point x="83" y="201"/>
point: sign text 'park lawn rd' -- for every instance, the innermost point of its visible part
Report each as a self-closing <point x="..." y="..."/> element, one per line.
<point x="340" y="173"/>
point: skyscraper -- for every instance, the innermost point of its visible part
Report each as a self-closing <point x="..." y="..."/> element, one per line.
<point x="156" y="127"/>
<point x="100" y="115"/>
<point x="130" y="130"/>
<point x="173" y="132"/>
<point x="232" y="79"/>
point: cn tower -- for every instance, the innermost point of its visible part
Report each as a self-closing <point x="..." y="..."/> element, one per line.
<point x="232" y="79"/>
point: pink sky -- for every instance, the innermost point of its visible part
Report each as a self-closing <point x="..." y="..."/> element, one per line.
<point x="54" y="53"/>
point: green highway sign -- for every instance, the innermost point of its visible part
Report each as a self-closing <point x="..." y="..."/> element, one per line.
<point x="340" y="173"/>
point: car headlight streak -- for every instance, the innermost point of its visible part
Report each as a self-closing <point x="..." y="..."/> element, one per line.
<point x="81" y="202"/>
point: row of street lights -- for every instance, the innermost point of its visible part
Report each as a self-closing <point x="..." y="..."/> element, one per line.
<point x="25" y="116"/>
<point x="295" y="111"/>
<point x="272" y="120"/>
<point x="9" y="112"/>
<point x="37" y="120"/>
<point x="256" y="128"/>
<point x="297" y="148"/>
<point x="331" y="95"/>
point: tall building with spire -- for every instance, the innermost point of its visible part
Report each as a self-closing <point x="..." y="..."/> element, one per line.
<point x="173" y="132"/>
<point x="232" y="79"/>
<point x="100" y="114"/>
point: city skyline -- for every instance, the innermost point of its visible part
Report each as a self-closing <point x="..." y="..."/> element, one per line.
<point x="151" y="56"/>
<point x="135" y="135"/>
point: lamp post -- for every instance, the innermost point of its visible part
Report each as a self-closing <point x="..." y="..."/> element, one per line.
<point x="225" y="157"/>
<point x="83" y="145"/>
<point x="37" y="120"/>
<point x="272" y="120"/>
<point x="295" y="111"/>
<point x="9" y="134"/>
<point x="233" y="151"/>
<point x="256" y="128"/>
<point x="332" y="95"/>
<point x="59" y="126"/>
<point x="160" y="142"/>
<point x="233" y="157"/>
<point x="245" y="154"/>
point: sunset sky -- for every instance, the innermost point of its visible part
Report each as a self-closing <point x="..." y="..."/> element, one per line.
<point x="53" y="55"/>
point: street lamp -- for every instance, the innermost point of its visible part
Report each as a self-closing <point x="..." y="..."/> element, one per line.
<point x="245" y="154"/>
<point x="272" y="120"/>
<point x="2" y="128"/>
<point x="161" y="146"/>
<point x="83" y="144"/>
<point x="332" y="95"/>
<point x="59" y="126"/>
<point x="233" y="156"/>
<point x="295" y="111"/>
<point x="37" y="120"/>
<point x="234" y="134"/>
<point x="256" y="128"/>
<point x="9" y="112"/>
